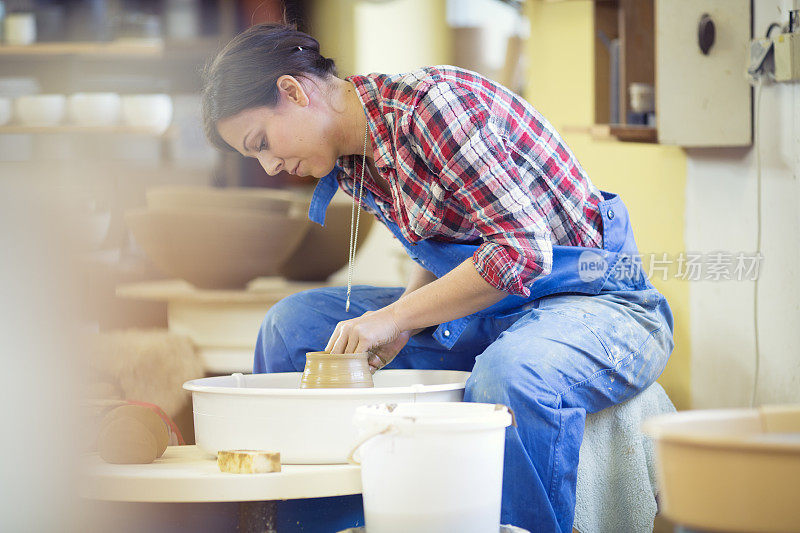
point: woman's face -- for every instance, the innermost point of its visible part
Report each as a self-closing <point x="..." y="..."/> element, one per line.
<point x="297" y="135"/>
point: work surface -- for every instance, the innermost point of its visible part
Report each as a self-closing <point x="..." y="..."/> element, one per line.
<point x="187" y="474"/>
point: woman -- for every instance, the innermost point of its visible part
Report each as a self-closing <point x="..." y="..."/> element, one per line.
<point x="526" y="273"/>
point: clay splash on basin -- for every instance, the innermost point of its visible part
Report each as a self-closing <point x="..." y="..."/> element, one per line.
<point x="329" y="371"/>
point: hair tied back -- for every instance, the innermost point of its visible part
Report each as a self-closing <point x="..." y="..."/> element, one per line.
<point x="244" y="74"/>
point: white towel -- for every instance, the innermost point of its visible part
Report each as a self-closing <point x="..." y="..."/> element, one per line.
<point x="616" y="487"/>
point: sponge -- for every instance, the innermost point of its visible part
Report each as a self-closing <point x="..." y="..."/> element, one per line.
<point x="248" y="461"/>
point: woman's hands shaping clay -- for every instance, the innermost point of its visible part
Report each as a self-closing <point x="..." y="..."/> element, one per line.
<point x="375" y="332"/>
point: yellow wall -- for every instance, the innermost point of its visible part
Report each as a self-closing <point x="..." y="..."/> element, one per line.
<point x="332" y="23"/>
<point x="651" y="178"/>
<point x="388" y="37"/>
<point x="401" y="35"/>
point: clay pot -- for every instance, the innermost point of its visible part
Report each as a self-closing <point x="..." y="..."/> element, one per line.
<point x="330" y="371"/>
<point x="217" y="248"/>
<point x="324" y="250"/>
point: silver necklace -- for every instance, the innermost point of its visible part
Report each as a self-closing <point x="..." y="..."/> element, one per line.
<point x="355" y="214"/>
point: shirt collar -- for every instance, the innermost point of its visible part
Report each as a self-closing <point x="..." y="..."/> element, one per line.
<point x="369" y="92"/>
<point x="322" y="196"/>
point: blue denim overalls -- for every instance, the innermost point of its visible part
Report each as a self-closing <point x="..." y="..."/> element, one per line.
<point x="593" y="333"/>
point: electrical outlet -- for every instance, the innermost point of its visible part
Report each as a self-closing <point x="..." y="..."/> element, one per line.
<point x="761" y="60"/>
<point x="787" y="56"/>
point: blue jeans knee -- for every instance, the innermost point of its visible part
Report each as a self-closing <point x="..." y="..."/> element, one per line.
<point x="277" y="349"/>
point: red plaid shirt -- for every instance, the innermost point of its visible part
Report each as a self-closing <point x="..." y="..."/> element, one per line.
<point x="467" y="160"/>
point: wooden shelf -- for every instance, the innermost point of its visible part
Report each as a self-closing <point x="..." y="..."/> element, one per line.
<point x="44" y="130"/>
<point x="116" y="48"/>
<point x="123" y="48"/>
<point x="620" y="132"/>
<point x="260" y="290"/>
<point x="625" y="132"/>
<point x="629" y="23"/>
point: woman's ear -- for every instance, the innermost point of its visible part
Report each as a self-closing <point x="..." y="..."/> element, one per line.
<point x="291" y="89"/>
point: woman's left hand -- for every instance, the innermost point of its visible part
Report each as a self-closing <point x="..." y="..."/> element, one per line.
<point x="376" y="332"/>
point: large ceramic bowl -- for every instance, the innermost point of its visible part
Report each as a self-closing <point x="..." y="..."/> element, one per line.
<point x="730" y="469"/>
<point x="307" y="426"/>
<point x="213" y="248"/>
<point x="236" y="198"/>
<point x="324" y="250"/>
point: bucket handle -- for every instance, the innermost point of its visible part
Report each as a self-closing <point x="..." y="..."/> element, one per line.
<point x="363" y="440"/>
<point x="393" y="429"/>
<point x="500" y="407"/>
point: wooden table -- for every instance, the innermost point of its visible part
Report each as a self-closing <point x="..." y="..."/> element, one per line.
<point x="223" y="324"/>
<point x="187" y="474"/>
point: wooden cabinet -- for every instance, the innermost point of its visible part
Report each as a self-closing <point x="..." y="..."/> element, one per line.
<point x="701" y="98"/>
<point x="624" y="54"/>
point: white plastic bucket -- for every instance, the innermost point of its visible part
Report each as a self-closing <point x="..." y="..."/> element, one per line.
<point x="431" y="467"/>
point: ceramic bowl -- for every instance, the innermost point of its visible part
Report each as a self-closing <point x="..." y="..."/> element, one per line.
<point x="149" y="111"/>
<point x="236" y="198"/>
<point x="335" y="371"/>
<point x="40" y="109"/>
<point x="324" y="250"/>
<point x="215" y="248"/>
<point x="94" y="109"/>
<point x="729" y="469"/>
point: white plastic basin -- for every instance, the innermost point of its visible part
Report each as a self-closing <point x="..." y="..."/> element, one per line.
<point x="307" y="426"/>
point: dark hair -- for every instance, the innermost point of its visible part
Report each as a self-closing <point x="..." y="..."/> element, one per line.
<point x="244" y="74"/>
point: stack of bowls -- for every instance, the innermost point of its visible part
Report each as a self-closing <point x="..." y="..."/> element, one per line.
<point x="219" y="238"/>
<point x="224" y="238"/>
<point x="151" y="112"/>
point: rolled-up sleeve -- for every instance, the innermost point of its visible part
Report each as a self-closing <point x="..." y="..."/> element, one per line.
<point x="451" y="130"/>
